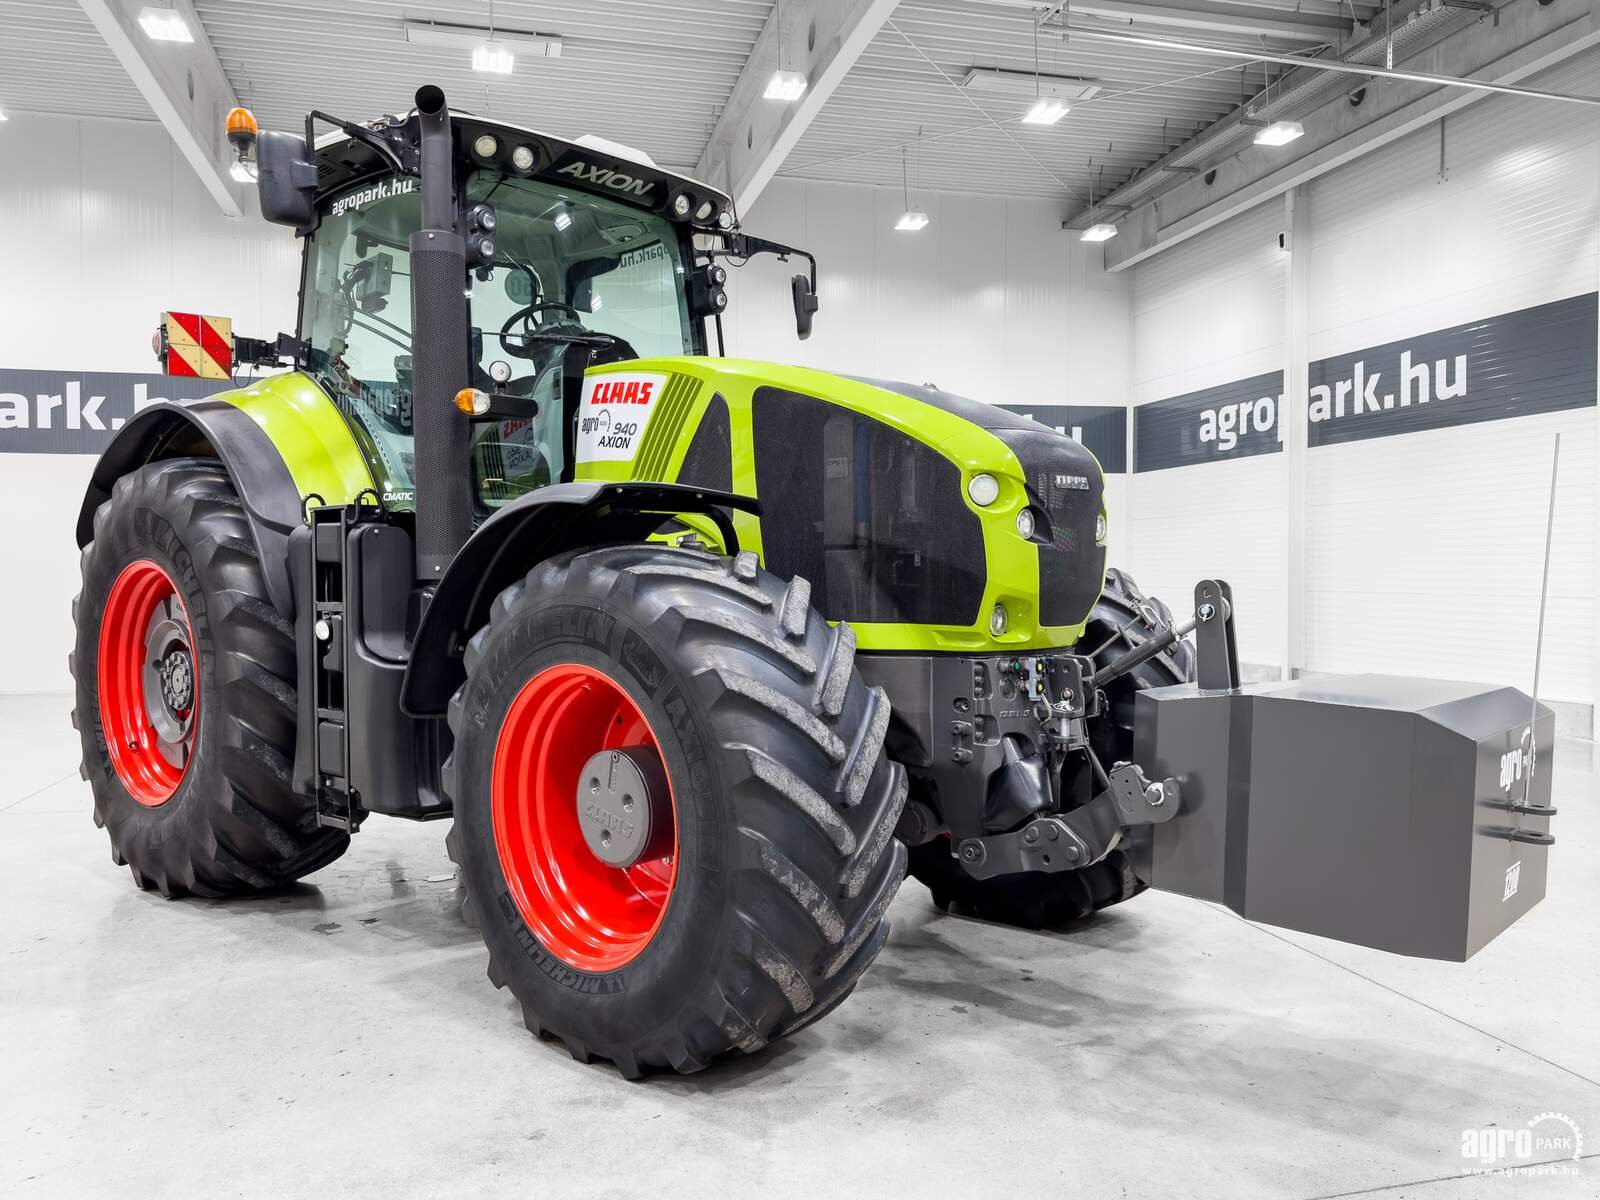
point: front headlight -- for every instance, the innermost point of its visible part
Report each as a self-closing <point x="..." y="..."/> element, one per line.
<point x="1026" y="524"/>
<point x="984" y="489"/>
<point x="1100" y="530"/>
<point x="999" y="620"/>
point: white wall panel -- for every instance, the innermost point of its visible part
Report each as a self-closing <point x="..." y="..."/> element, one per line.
<point x="106" y="226"/>
<point x="1424" y="550"/>
<point x="1207" y="312"/>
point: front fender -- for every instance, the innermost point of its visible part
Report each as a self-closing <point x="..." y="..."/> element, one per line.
<point x="540" y="525"/>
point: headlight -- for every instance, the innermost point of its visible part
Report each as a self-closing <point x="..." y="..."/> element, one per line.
<point x="1100" y="530"/>
<point x="984" y="490"/>
<point x="680" y="205"/>
<point x="999" y="621"/>
<point x="485" y="145"/>
<point x="522" y="158"/>
<point x="1026" y="524"/>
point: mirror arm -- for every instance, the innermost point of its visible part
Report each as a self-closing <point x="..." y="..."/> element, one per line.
<point x="744" y="245"/>
<point x="403" y="159"/>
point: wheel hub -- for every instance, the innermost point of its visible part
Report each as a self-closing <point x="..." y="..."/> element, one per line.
<point x="149" y="692"/>
<point x="617" y="802"/>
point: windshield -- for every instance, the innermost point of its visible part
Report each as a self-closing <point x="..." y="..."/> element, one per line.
<point x="567" y="264"/>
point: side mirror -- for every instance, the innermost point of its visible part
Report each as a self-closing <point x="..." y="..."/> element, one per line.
<point x="286" y="180"/>
<point x="805" y="304"/>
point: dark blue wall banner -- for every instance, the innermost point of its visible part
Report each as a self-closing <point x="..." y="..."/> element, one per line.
<point x="1102" y="428"/>
<point x="1534" y="360"/>
<point x="78" y="412"/>
<point x="1233" y="420"/>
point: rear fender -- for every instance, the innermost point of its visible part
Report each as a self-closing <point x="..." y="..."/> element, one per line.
<point x="540" y="525"/>
<point x="210" y="429"/>
<point x="281" y="439"/>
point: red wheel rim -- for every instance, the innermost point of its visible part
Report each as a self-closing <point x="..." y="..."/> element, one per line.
<point x="590" y="915"/>
<point x="149" y="684"/>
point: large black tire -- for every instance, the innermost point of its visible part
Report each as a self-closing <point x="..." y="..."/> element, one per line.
<point x="1123" y="617"/>
<point x="233" y="824"/>
<point x="785" y="803"/>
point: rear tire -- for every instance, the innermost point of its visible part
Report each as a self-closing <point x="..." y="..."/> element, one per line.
<point x="1122" y="619"/>
<point x="209" y="811"/>
<point x="768" y="902"/>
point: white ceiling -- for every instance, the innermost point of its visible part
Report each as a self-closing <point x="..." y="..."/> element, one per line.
<point x="901" y="92"/>
<point x="656" y="74"/>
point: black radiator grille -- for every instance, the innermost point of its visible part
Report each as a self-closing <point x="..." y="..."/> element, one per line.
<point x="872" y="517"/>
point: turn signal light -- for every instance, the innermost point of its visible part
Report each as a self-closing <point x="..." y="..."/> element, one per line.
<point x="472" y="402"/>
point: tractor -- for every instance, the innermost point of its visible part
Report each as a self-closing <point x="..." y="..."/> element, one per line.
<point x="700" y="655"/>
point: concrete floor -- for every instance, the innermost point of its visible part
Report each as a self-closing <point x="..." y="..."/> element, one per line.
<point x="342" y="1040"/>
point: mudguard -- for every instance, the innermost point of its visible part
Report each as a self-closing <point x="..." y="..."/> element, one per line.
<point x="544" y="523"/>
<point x="281" y="439"/>
<point x="216" y="429"/>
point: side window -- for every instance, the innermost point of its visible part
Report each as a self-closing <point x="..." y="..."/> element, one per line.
<point x="356" y="320"/>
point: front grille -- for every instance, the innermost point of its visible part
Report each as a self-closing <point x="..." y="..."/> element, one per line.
<point x="873" y="518"/>
<point x="1064" y="483"/>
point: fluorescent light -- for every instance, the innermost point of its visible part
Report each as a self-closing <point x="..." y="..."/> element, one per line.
<point x="493" y="59"/>
<point x="1279" y="133"/>
<point x="1046" y="110"/>
<point x="1099" y="233"/>
<point x="786" y="86"/>
<point x="432" y="33"/>
<point x="911" y="220"/>
<point x="164" y="25"/>
<point x="242" y="172"/>
<point x="563" y="221"/>
<point x="1026" y="83"/>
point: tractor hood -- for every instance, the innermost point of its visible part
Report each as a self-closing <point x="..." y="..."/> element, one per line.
<point x="926" y="519"/>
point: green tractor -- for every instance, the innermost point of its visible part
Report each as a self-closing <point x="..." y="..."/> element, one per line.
<point x="701" y="655"/>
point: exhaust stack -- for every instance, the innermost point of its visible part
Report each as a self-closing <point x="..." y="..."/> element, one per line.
<point x="440" y="353"/>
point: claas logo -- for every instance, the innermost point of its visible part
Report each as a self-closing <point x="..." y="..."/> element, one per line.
<point x="631" y="391"/>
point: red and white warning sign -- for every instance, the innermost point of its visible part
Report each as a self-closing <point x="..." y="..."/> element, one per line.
<point x="198" y="346"/>
<point x="612" y="417"/>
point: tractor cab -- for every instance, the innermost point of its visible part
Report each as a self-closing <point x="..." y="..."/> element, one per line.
<point x="580" y="253"/>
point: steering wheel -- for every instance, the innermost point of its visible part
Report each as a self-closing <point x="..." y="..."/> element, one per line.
<point x="526" y="314"/>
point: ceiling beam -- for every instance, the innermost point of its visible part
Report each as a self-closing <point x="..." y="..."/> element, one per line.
<point x="184" y="84"/>
<point x="1527" y="38"/>
<point x="754" y="135"/>
<point x="1216" y="16"/>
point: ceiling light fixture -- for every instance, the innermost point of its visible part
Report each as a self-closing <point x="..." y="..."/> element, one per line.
<point x="787" y="86"/>
<point x="164" y="25"/>
<point x="912" y="219"/>
<point x="1279" y="133"/>
<point x="1046" y="111"/>
<point x="1099" y="233"/>
<point x="493" y="59"/>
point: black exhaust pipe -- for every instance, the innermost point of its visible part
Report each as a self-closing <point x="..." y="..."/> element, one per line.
<point x="440" y="350"/>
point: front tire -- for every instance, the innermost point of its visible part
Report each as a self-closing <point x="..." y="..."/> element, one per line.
<point x="759" y="896"/>
<point x="185" y="692"/>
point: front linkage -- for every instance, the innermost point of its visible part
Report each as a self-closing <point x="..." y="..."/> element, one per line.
<point x="1024" y="729"/>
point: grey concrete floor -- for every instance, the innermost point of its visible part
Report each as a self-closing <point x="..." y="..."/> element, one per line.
<point x="342" y="1040"/>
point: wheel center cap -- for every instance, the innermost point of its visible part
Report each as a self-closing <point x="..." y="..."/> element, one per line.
<point x="619" y="795"/>
<point x="177" y="681"/>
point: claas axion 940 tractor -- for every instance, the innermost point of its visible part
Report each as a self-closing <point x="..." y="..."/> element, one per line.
<point x="701" y="655"/>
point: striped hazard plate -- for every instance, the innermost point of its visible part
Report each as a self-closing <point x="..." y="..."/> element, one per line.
<point x="198" y="346"/>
